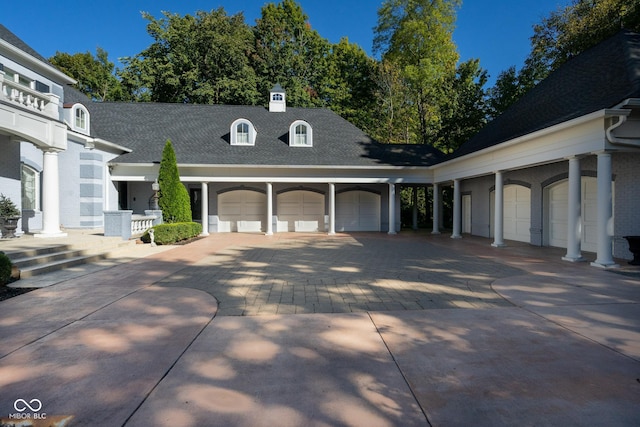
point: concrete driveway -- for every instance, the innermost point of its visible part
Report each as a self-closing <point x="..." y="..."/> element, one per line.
<point x="313" y="330"/>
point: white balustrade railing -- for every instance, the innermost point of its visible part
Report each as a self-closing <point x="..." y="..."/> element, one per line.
<point x="141" y="223"/>
<point x="14" y="92"/>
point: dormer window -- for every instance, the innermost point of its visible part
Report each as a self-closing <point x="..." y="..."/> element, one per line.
<point x="80" y="119"/>
<point x="300" y="134"/>
<point x="242" y="132"/>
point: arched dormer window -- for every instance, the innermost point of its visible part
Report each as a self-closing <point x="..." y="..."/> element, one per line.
<point x="80" y="119"/>
<point x="300" y="134"/>
<point x="242" y="132"/>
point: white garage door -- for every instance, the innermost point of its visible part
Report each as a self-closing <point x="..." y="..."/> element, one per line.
<point x="516" y="213"/>
<point x="300" y="211"/>
<point x="558" y="206"/>
<point x="242" y="210"/>
<point x="357" y="211"/>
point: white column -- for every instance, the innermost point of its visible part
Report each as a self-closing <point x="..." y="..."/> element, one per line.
<point x="50" y="196"/>
<point x="604" y="256"/>
<point x="498" y="225"/>
<point x="205" y="209"/>
<point x="269" y="209"/>
<point x="574" y="226"/>
<point x="392" y="208"/>
<point x="332" y="208"/>
<point x="436" y="209"/>
<point x="456" y="210"/>
<point x="415" y="208"/>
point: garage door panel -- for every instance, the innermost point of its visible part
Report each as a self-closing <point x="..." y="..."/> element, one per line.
<point x="300" y="211"/>
<point x="358" y="211"/>
<point x="558" y="214"/>
<point x="242" y="210"/>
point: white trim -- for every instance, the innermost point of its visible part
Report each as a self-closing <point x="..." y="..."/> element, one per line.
<point x="233" y="131"/>
<point x="38" y="66"/>
<point x="308" y="134"/>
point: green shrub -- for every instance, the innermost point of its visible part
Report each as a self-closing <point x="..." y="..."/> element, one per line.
<point x="174" y="198"/>
<point x="5" y="269"/>
<point x="166" y="234"/>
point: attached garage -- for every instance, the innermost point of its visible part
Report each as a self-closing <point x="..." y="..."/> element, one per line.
<point x="242" y="210"/>
<point x="516" y="213"/>
<point x="357" y="211"/>
<point x="558" y="196"/>
<point x="300" y="210"/>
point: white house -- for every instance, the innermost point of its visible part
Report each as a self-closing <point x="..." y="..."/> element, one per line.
<point x="557" y="169"/>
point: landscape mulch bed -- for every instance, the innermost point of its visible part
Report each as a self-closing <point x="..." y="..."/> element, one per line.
<point x="7" y="292"/>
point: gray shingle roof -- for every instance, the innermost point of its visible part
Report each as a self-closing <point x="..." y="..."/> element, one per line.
<point x="200" y="135"/>
<point x="14" y="40"/>
<point x="598" y="78"/>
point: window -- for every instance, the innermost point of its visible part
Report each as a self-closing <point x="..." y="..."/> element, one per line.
<point x="81" y="119"/>
<point x="300" y="134"/>
<point x="242" y="132"/>
<point x="29" y="188"/>
<point x="277" y="97"/>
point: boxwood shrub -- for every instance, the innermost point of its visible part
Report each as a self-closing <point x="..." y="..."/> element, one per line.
<point x="5" y="269"/>
<point x="166" y="234"/>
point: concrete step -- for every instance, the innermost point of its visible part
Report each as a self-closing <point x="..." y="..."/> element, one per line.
<point x="40" y="260"/>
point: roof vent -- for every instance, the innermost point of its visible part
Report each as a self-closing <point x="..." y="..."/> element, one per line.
<point x="277" y="99"/>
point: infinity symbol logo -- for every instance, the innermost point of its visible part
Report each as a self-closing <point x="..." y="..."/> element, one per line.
<point x="21" y="405"/>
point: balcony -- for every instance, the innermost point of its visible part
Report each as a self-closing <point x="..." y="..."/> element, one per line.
<point x="23" y="96"/>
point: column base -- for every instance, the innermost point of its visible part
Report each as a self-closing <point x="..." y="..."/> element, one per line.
<point x="578" y="258"/>
<point x="435" y="232"/>
<point x="598" y="264"/>
<point x="456" y="237"/>
<point x="269" y="233"/>
<point x="204" y="234"/>
<point x="48" y="235"/>
<point x="392" y="232"/>
<point x="499" y="245"/>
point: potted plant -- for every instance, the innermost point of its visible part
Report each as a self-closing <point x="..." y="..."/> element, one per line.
<point x="9" y="217"/>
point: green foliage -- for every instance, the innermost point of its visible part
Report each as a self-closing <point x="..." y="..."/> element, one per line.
<point x="415" y="40"/>
<point x="167" y="234"/>
<point x="290" y="52"/>
<point x="95" y="75"/>
<point x="201" y="59"/>
<point x="8" y="209"/>
<point x="173" y="196"/>
<point x="5" y="269"/>
<point x="565" y="33"/>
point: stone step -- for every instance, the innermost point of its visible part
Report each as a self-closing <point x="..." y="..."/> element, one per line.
<point x="40" y="260"/>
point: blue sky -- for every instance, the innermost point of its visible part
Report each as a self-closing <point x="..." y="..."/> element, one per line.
<point x="495" y="31"/>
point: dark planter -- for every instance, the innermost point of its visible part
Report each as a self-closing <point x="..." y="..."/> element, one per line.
<point x="9" y="226"/>
<point x="634" y="248"/>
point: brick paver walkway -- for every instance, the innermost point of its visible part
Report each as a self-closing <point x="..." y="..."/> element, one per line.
<point x="294" y="273"/>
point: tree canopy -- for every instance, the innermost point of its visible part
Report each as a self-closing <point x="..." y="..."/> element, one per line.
<point x="415" y="91"/>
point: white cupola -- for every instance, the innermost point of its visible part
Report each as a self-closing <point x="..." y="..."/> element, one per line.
<point x="277" y="99"/>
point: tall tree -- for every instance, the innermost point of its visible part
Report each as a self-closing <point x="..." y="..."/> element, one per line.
<point x="174" y="199"/>
<point x="416" y="36"/>
<point x="348" y="85"/>
<point x="202" y="59"/>
<point x="466" y="109"/>
<point x="95" y="75"/>
<point x="290" y="52"/>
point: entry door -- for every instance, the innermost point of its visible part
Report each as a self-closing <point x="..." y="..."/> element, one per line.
<point x="196" y="203"/>
<point x="466" y="213"/>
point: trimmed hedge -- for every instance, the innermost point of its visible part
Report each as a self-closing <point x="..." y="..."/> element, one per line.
<point x="166" y="234"/>
<point x="5" y="269"/>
